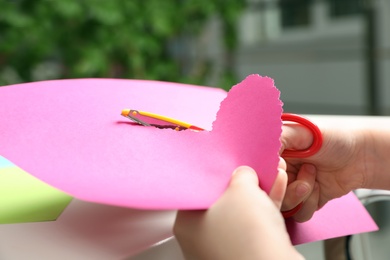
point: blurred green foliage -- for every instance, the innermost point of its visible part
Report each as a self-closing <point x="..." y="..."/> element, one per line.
<point x="104" y="38"/>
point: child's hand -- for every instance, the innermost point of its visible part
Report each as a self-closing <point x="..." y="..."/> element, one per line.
<point x="245" y="223"/>
<point x="338" y="168"/>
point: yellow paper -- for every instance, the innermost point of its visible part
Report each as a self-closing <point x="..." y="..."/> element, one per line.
<point x="23" y="198"/>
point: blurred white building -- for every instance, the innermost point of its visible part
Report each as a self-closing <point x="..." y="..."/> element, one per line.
<point x="316" y="51"/>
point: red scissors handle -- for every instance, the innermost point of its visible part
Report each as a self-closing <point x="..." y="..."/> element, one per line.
<point x="317" y="137"/>
<point x="292" y="212"/>
<point x="314" y="148"/>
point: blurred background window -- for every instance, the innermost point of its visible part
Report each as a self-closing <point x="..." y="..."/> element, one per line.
<point x="326" y="56"/>
<point x="341" y="8"/>
<point x="295" y="13"/>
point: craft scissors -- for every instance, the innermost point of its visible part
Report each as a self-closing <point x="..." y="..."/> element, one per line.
<point x="159" y="121"/>
<point x="313" y="149"/>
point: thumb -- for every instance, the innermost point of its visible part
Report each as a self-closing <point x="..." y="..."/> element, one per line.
<point x="295" y="137"/>
<point x="279" y="188"/>
<point x="244" y="176"/>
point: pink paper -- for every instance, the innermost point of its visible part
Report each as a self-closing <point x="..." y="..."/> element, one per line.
<point x="69" y="133"/>
<point x="340" y="217"/>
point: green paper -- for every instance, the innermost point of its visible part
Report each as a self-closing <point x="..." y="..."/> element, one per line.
<point x="24" y="198"/>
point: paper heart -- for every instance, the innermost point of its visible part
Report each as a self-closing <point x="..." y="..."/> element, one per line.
<point x="69" y="134"/>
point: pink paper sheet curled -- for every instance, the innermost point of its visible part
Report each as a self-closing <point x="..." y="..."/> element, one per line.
<point x="69" y="133"/>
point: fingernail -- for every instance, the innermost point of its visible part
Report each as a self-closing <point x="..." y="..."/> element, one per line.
<point x="237" y="170"/>
<point x="301" y="190"/>
<point x="243" y="169"/>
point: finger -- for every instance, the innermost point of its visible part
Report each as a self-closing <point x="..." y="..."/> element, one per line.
<point x="185" y="221"/>
<point x="322" y="201"/>
<point x="279" y="188"/>
<point x="244" y="175"/>
<point x="295" y="137"/>
<point x="292" y="171"/>
<point x="299" y="190"/>
<point x="282" y="164"/>
<point x="309" y="207"/>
